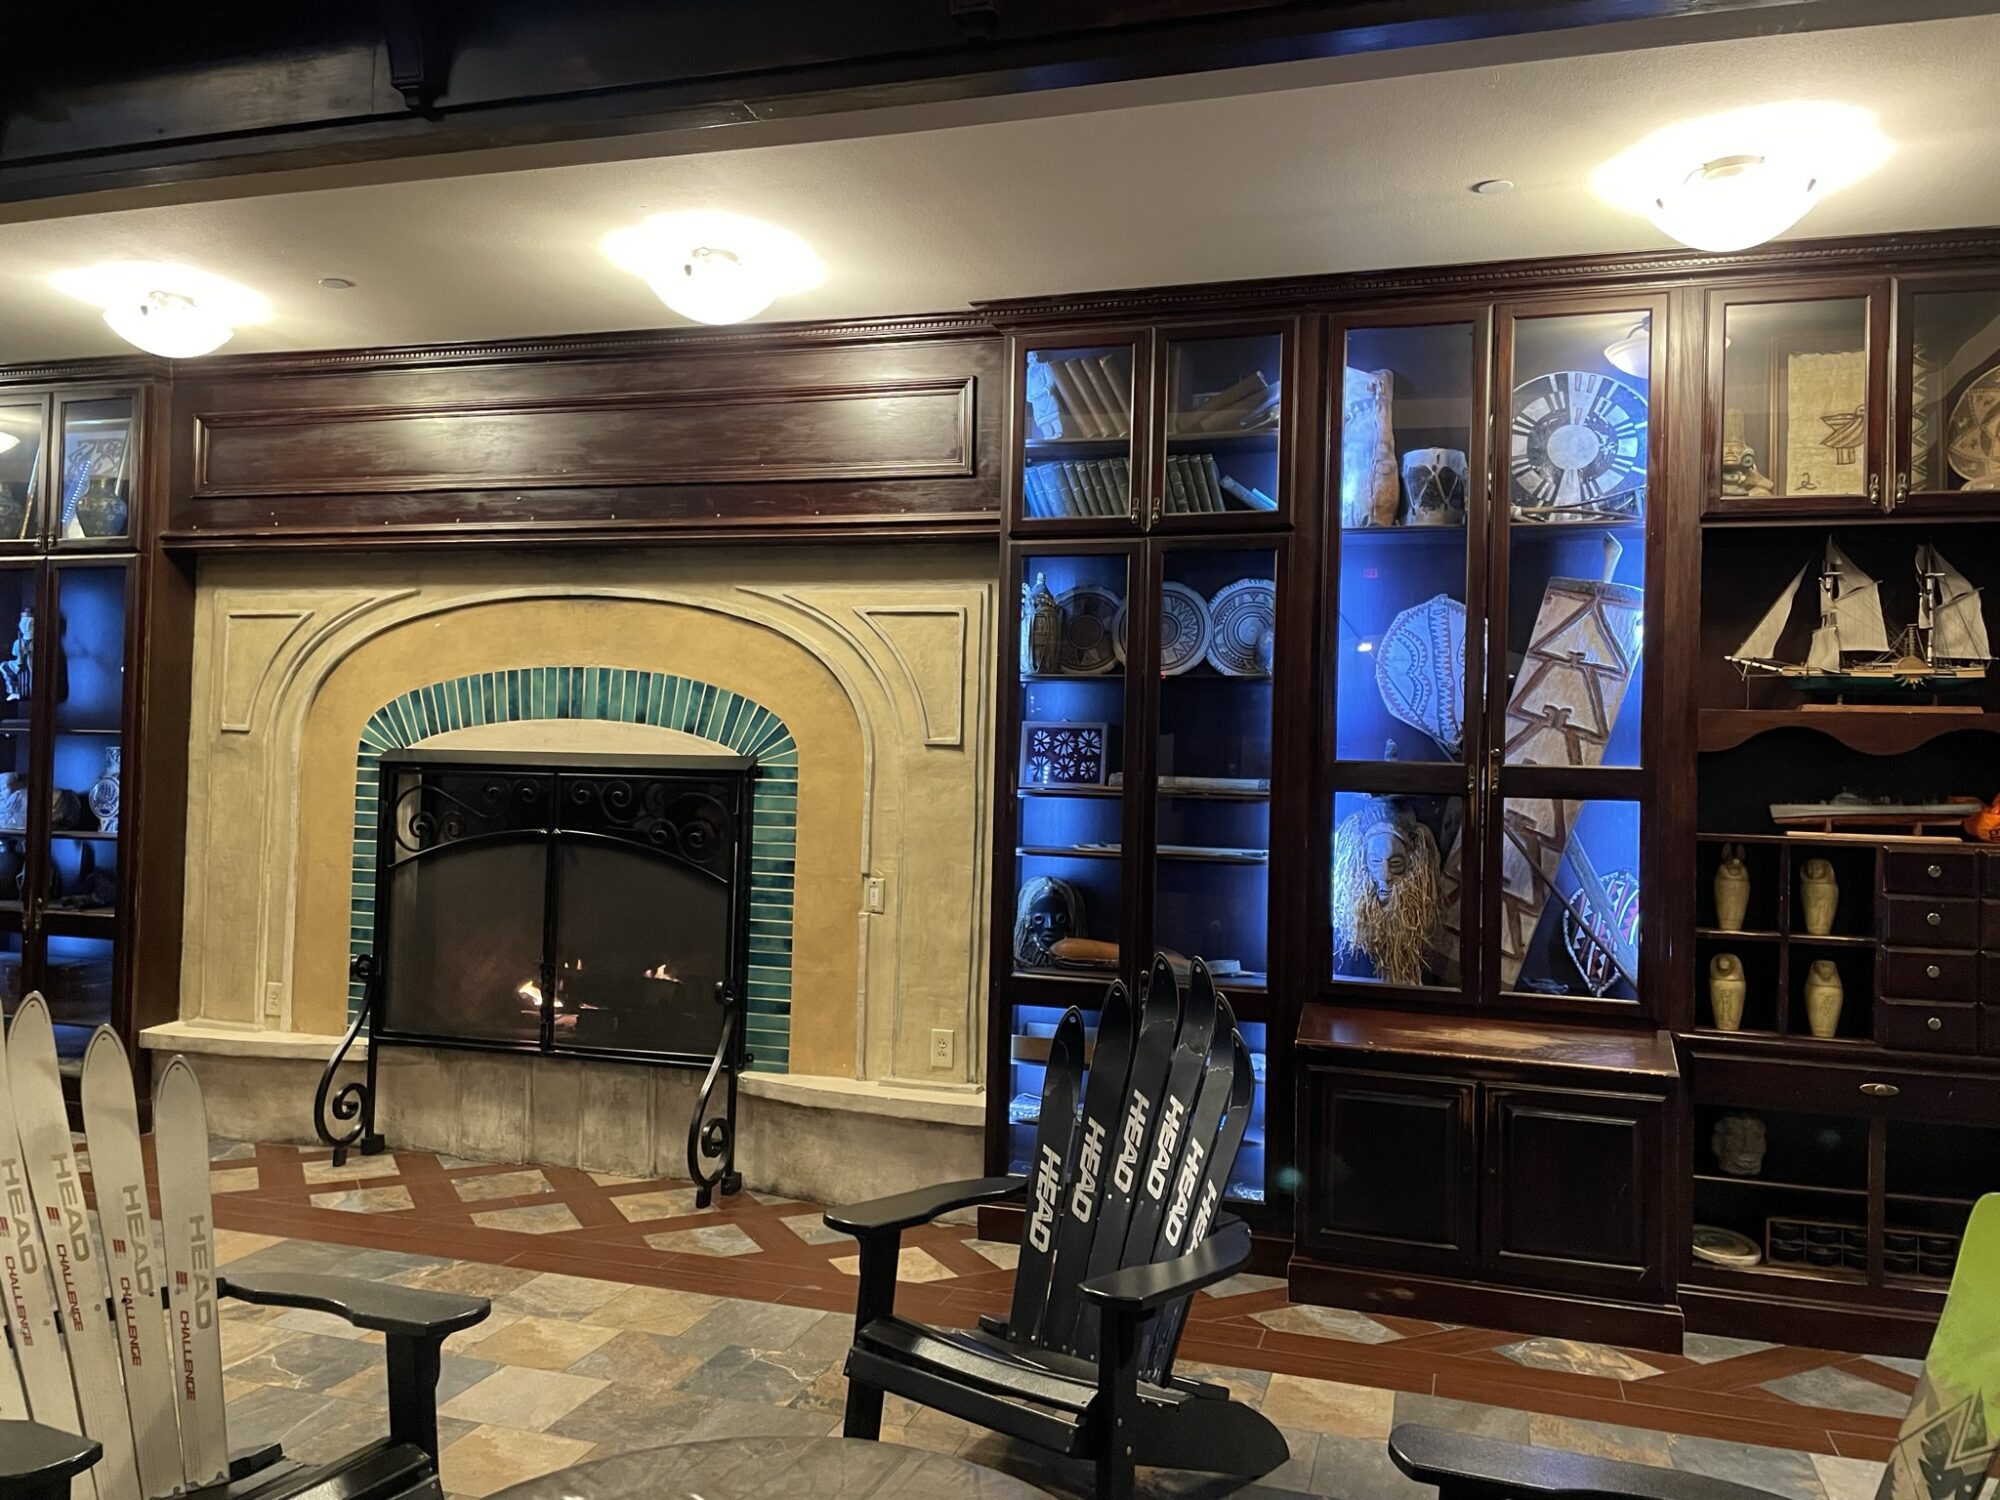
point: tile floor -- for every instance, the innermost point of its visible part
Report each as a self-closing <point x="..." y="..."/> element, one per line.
<point x="623" y="1317"/>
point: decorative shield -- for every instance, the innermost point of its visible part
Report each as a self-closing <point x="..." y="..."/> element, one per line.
<point x="1420" y="670"/>
<point x="1590" y="948"/>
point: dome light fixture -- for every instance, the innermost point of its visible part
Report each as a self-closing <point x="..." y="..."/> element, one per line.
<point x="8" y="442"/>
<point x="712" y="266"/>
<point x="1729" y="181"/>
<point x="174" y="311"/>
<point x="1633" y="353"/>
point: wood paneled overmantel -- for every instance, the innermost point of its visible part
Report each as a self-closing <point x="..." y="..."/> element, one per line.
<point x="876" y="428"/>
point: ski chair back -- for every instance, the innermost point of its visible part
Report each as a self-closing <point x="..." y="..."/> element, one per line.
<point x="1122" y="1226"/>
<point x="115" y="1332"/>
<point x="1943" y="1450"/>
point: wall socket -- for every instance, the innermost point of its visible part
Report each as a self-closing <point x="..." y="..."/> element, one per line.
<point x="941" y="1039"/>
<point x="274" y="1000"/>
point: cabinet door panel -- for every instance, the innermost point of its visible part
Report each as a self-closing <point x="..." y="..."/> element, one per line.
<point x="1389" y="1169"/>
<point x="1572" y="1188"/>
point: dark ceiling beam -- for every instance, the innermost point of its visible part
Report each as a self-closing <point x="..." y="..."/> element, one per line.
<point x="232" y="88"/>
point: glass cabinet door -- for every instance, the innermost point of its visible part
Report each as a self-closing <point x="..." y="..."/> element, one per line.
<point x="22" y="483"/>
<point x="1796" y="395"/>
<point x="1078" y="446"/>
<point x="1566" y="683"/>
<point x="87" y="748"/>
<point x="1225" y="408"/>
<point x="1949" y="384"/>
<point x="1405" y="714"/>
<point x="99" y="458"/>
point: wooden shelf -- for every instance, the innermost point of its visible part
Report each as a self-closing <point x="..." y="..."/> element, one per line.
<point x="1870" y="731"/>
<point x="1069" y="791"/>
<point x="1831" y="940"/>
<point x="1190" y="856"/>
<point x="1724" y="1180"/>
<point x="1254" y="437"/>
<point x="1724" y="934"/>
<point x="1072" y="677"/>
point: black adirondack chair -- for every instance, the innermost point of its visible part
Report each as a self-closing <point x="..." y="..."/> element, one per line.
<point x="1122" y="1229"/>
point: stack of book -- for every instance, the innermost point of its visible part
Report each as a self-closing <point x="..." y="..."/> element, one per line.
<point x="1079" y="487"/>
<point x="1249" y="404"/>
<point x="1195" y="486"/>
<point x="1081" y="395"/>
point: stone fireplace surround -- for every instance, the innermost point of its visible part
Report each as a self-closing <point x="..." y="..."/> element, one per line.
<point x="875" y="664"/>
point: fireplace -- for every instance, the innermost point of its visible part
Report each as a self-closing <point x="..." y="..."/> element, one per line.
<point x="574" y="904"/>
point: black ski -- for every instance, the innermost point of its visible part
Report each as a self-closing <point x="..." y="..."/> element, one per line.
<point x="1104" y="1090"/>
<point x="1200" y="1056"/>
<point x="1165" y="1333"/>
<point x="1048" y="1171"/>
<point x="1152" y="1057"/>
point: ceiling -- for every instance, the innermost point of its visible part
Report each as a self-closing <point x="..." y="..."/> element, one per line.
<point x="1268" y="180"/>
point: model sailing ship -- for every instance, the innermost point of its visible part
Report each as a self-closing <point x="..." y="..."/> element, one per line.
<point x="1852" y="652"/>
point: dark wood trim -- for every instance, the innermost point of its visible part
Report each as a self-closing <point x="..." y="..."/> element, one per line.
<point x="920" y="527"/>
<point x="1632" y="1325"/>
<point x="1810" y="1322"/>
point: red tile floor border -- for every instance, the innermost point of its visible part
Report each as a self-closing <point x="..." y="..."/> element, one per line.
<point x="1722" y="1398"/>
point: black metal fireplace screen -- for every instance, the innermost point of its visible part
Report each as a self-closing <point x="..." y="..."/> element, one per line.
<point x="580" y="905"/>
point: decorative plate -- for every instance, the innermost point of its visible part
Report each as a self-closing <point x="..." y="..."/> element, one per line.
<point x="1087" y="644"/>
<point x="1972" y="443"/>
<point x="1578" y="442"/>
<point x="1591" y="951"/>
<point x="1420" y="670"/>
<point x="1724" y="1247"/>
<point x="1183" y="629"/>
<point x="1242" y="625"/>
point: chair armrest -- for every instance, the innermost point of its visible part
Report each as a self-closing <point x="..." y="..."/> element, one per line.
<point x="34" y="1458"/>
<point x="1464" y="1467"/>
<point x="1137" y="1290"/>
<point x="401" y="1311"/>
<point x="921" y="1205"/>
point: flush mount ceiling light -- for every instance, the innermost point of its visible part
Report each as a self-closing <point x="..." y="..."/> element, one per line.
<point x="1728" y="181"/>
<point x="713" y="266"/>
<point x="8" y="442"/>
<point x="174" y="311"/>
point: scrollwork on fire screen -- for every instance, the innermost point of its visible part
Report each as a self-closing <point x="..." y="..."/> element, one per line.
<point x="695" y="826"/>
<point x="433" y="812"/>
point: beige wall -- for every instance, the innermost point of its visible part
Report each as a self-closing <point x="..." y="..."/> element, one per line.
<point x="878" y="659"/>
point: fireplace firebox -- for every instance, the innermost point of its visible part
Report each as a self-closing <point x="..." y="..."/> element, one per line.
<point x="567" y="904"/>
<point x="589" y="905"/>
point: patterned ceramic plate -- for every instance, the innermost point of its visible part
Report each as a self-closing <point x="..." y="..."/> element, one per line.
<point x="1724" y="1247"/>
<point x="1242" y="624"/>
<point x="1184" y="629"/>
<point x="1578" y="441"/>
<point x="1974" y="443"/>
<point x="1591" y="949"/>
<point x="1087" y="642"/>
<point x="1420" y="670"/>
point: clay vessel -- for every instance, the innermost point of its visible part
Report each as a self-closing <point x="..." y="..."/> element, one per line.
<point x="1824" y="994"/>
<point x="1819" y="897"/>
<point x="1727" y="989"/>
<point x="1732" y="889"/>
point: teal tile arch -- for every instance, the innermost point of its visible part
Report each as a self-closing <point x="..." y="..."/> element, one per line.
<point x="626" y="696"/>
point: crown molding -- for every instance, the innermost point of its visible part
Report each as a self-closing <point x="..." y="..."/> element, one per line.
<point x="101" y="370"/>
<point x="1877" y="254"/>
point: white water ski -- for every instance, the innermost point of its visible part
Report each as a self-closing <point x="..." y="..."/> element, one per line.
<point x="132" y="1265"/>
<point x="75" y="1263"/>
<point x="30" y="1301"/>
<point x="180" y="1146"/>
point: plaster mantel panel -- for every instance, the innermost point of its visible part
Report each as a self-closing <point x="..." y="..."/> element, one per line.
<point x="908" y="660"/>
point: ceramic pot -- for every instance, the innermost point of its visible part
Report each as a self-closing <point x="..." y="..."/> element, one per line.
<point x="1732" y="889"/>
<point x="1819" y="897"/>
<point x="1824" y="994"/>
<point x="1434" y="484"/>
<point x="1727" y="989"/>
<point x="103" y="797"/>
<point x="1371" y="494"/>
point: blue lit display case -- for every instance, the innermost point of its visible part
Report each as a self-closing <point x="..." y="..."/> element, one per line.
<point x="1139" y="740"/>
<point x="1485" y="640"/>
<point x="70" y="578"/>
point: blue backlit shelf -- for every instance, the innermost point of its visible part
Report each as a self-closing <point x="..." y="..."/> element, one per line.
<point x="1070" y="791"/>
<point x="1072" y="677"/>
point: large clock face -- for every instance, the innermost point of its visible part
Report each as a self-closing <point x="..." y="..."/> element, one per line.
<point x="1578" y="440"/>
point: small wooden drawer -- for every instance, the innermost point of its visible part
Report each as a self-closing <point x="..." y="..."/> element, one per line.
<point x="1989" y="1030"/>
<point x="1989" y="924"/>
<point x="1930" y="974"/>
<point x="1991" y="859"/>
<point x="1914" y="873"/>
<point x="1919" y="1026"/>
<point x="1924" y="922"/>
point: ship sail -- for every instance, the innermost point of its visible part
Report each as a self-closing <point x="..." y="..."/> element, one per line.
<point x="1958" y="623"/>
<point x="1762" y="642"/>
<point x="1857" y="606"/>
<point x="1823" y="655"/>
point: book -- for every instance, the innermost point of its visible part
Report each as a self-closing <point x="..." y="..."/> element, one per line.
<point x="1072" y="502"/>
<point x="1080" y="404"/>
<point x="1115" y="376"/>
<point x="1227" y="410"/>
<point x="1263" y="408"/>
<point x="1211" y="483"/>
<point x="1109" y="402"/>
<point x="1092" y="476"/>
<point x="1249" y="496"/>
<point x="1195" y="418"/>
<point x="1177" y="499"/>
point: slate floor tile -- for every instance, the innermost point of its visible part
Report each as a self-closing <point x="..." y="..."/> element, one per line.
<point x="708" y="1239"/>
<point x="540" y="1343"/>
<point x="1576" y="1357"/>
<point x="489" y="1185"/>
<point x="1327" y="1323"/>
<point x="491" y="1458"/>
<point x="654" y="1310"/>
<point x="530" y="1218"/>
<point x="307" y="1362"/>
<point x="515" y="1396"/>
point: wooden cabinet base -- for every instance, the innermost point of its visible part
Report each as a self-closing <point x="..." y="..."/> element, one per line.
<point x="1814" y="1324"/>
<point x="1441" y="1299"/>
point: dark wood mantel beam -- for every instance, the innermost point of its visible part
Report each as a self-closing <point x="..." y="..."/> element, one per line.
<point x="195" y="95"/>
